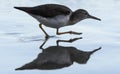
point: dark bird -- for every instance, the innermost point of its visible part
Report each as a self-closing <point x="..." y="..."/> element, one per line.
<point x="56" y="16"/>
<point x="57" y="57"/>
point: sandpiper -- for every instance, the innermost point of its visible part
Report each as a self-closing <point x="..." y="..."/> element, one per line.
<point x="57" y="16"/>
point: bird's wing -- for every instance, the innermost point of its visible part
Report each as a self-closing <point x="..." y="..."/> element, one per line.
<point x="50" y="10"/>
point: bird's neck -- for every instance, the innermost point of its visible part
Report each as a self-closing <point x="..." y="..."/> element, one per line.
<point x="74" y="18"/>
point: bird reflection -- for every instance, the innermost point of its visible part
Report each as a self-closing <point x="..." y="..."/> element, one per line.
<point x="57" y="57"/>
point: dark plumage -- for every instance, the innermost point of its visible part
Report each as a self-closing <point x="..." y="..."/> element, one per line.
<point x="56" y="16"/>
<point x="49" y="10"/>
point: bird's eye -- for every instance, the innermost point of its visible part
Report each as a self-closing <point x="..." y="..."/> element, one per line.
<point x="85" y="13"/>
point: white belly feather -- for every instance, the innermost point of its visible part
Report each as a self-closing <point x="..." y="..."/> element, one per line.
<point x="55" y="22"/>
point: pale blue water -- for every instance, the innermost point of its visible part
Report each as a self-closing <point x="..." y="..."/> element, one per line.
<point x="20" y="37"/>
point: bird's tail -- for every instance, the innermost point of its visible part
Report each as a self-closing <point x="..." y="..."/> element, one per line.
<point x="26" y="9"/>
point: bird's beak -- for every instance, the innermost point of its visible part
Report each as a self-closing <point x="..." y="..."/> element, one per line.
<point x="93" y="17"/>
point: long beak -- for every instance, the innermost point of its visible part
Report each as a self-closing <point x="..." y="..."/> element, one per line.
<point x="93" y="17"/>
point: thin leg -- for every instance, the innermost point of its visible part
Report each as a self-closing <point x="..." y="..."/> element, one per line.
<point x="70" y="32"/>
<point x="71" y="40"/>
<point x="40" y="25"/>
<point x="41" y="47"/>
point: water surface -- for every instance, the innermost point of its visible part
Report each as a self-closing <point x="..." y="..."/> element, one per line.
<point x="20" y="37"/>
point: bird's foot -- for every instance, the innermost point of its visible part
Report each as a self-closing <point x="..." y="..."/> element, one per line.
<point x="47" y="36"/>
<point x="72" y="32"/>
<point x="72" y="40"/>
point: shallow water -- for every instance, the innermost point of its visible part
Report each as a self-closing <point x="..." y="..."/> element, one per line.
<point x="20" y="37"/>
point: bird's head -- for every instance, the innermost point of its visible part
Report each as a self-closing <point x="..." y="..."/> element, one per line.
<point x="83" y="14"/>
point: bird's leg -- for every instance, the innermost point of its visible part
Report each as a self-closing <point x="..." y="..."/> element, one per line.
<point x="40" y="25"/>
<point x="70" y="40"/>
<point x="41" y="47"/>
<point x="70" y="32"/>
